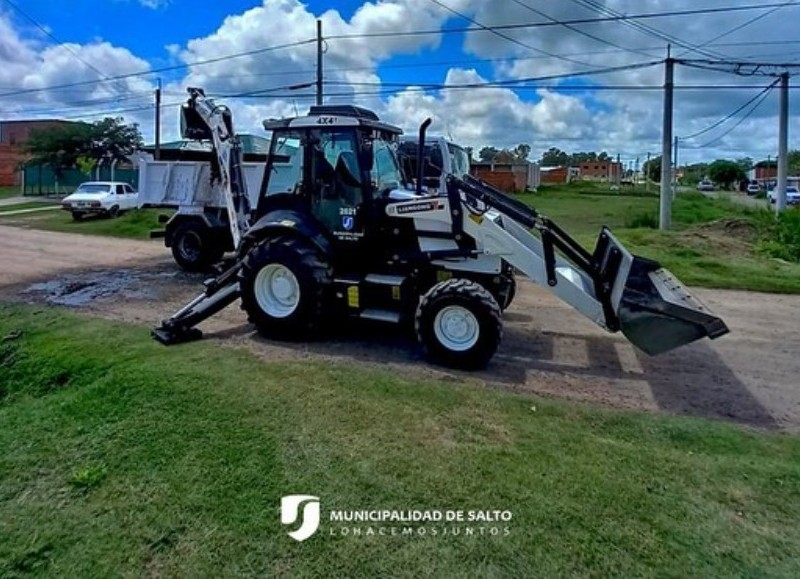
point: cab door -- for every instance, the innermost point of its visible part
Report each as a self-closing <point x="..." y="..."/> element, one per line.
<point x="338" y="184"/>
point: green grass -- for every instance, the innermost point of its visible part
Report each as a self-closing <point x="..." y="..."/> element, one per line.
<point x="6" y="192"/>
<point x="135" y="224"/>
<point x="26" y="205"/>
<point x="122" y="457"/>
<point x="699" y="249"/>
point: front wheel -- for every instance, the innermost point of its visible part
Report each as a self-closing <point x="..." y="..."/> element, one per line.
<point x="77" y="215"/>
<point x="458" y="324"/>
<point x="283" y="282"/>
<point x="113" y="212"/>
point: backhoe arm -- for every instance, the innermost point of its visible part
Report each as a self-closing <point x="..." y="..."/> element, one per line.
<point x="202" y="119"/>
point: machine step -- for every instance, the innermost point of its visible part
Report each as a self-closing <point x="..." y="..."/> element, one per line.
<point x="381" y="279"/>
<point x="381" y="315"/>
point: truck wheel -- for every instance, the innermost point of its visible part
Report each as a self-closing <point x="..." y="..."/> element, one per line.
<point x="113" y="212"/>
<point x="283" y="283"/>
<point x="458" y="324"/>
<point x="77" y="215"/>
<point x="194" y="248"/>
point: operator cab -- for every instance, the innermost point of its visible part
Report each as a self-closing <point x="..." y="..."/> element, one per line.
<point x="341" y="164"/>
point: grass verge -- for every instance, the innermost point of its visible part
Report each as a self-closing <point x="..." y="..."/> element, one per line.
<point x="122" y="457"/>
<point x="135" y="224"/>
<point x="714" y="242"/>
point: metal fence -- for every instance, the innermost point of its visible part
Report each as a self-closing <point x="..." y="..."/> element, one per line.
<point x="42" y="179"/>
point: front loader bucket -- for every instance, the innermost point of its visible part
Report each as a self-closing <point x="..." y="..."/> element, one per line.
<point x="654" y="309"/>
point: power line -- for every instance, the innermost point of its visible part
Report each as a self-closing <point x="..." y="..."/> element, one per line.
<point x="619" y="17"/>
<point x="162" y="69"/>
<point x="577" y="30"/>
<point x="746" y="24"/>
<point x="643" y="28"/>
<point x="506" y="36"/>
<point x="52" y="37"/>
<point x="731" y="115"/>
<point x="736" y="125"/>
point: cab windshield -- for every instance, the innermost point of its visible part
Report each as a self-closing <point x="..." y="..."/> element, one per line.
<point x="385" y="175"/>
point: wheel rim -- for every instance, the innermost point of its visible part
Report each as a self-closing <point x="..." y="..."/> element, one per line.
<point x="190" y="246"/>
<point x="277" y="290"/>
<point x="456" y="328"/>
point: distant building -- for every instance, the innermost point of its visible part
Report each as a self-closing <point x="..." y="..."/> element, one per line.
<point x="604" y="171"/>
<point x="765" y="173"/>
<point x="555" y="175"/>
<point x="254" y="148"/>
<point x="508" y="177"/>
<point x="13" y="137"/>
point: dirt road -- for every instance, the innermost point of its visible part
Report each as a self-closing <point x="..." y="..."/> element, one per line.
<point x="751" y="376"/>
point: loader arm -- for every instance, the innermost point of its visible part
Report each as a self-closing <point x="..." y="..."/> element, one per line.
<point x="203" y="119"/>
<point x="612" y="287"/>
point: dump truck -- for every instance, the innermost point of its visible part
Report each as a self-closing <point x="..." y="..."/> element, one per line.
<point x="354" y="240"/>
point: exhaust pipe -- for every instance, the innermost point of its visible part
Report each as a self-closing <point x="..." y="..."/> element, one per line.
<point x="423" y="130"/>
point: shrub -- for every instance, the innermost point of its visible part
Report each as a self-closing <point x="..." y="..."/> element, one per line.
<point x="779" y="234"/>
<point x="645" y="220"/>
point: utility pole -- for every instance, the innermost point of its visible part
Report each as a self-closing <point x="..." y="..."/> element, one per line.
<point x="158" y="121"/>
<point x="675" y="171"/>
<point x="319" y="62"/>
<point x="619" y="171"/>
<point x="665" y="209"/>
<point x="783" y="145"/>
<point x="646" y="176"/>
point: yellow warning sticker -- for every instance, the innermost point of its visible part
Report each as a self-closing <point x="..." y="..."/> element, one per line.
<point x="352" y="296"/>
<point x="396" y="293"/>
<point x="476" y="218"/>
<point x="443" y="275"/>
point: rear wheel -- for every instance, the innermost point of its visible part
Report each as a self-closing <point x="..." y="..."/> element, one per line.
<point x="458" y="323"/>
<point x="283" y="283"/>
<point x="194" y="247"/>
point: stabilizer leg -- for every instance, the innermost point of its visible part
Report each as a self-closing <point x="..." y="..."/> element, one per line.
<point x="219" y="293"/>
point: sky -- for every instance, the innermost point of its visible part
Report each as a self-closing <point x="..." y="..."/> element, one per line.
<point x="64" y="59"/>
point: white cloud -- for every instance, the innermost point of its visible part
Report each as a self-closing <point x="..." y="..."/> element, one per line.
<point x="625" y="121"/>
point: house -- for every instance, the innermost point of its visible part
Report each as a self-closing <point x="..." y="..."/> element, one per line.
<point x="765" y="173"/>
<point x="509" y="177"/>
<point x="603" y="171"/>
<point x="13" y="137"/>
<point x="555" y="175"/>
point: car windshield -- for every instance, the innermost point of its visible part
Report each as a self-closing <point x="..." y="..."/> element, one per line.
<point x="93" y="188"/>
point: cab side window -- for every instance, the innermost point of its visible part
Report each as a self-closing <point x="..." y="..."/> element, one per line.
<point x="120" y="190"/>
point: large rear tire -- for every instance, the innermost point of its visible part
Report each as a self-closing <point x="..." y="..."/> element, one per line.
<point x="283" y="282"/>
<point x="195" y="248"/>
<point x="458" y="324"/>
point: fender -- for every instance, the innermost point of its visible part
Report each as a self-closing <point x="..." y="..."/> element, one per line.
<point x="287" y="222"/>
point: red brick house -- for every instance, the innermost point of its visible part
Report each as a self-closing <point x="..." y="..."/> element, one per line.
<point x="13" y="136"/>
<point x="601" y="171"/>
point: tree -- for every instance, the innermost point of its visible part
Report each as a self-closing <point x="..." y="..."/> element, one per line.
<point x="84" y="144"/>
<point x="487" y="154"/>
<point x="725" y="172"/>
<point x="554" y="157"/>
<point x="521" y="152"/>
<point x="794" y="162"/>
<point x="652" y="169"/>
<point x="745" y="164"/>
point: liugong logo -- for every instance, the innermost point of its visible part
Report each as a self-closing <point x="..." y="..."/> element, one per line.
<point x="309" y="519"/>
